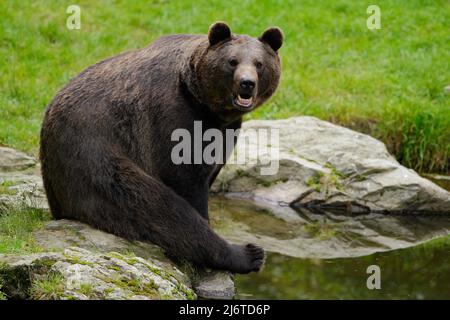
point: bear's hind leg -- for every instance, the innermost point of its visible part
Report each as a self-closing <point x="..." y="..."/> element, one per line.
<point x="145" y="209"/>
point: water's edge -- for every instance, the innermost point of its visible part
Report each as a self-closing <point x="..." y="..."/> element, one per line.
<point x="326" y="256"/>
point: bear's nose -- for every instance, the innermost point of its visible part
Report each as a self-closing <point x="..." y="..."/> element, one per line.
<point x="247" y="84"/>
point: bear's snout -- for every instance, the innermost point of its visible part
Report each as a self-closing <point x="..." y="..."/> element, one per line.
<point x="246" y="82"/>
<point x="247" y="85"/>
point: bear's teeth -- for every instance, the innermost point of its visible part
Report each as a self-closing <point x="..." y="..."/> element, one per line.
<point x="245" y="102"/>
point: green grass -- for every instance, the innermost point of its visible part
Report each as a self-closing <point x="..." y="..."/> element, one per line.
<point x="49" y="287"/>
<point x="389" y="82"/>
<point x="2" y="294"/>
<point x="16" y="226"/>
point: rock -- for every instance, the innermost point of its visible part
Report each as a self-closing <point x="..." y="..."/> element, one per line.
<point x="58" y="235"/>
<point x="92" y="264"/>
<point x="20" y="183"/>
<point x="80" y="274"/>
<point x="215" y="285"/>
<point x="13" y="160"/>
<point x="325" y="166"/>
<point x="17" y="272"/>
<point x="440" y="180"/>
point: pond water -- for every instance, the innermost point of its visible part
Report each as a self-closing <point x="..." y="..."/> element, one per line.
<point x="420" y="272"/>
<point x="326" y="255"/>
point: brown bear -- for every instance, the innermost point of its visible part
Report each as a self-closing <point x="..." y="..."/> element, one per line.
<point x="106" y="140"/>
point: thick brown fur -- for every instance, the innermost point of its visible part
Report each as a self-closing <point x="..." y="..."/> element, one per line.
<point x="106" y="141"/>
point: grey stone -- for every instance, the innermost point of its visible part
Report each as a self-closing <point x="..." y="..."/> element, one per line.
<point x="104" y="266"/>
<point x="58" y="235"/>
<point x="22" y="188"/>
<point x="83" y="274"/>
<point x="215" y="285"/>
<point x="325" y="166"/>
<point x="13" y="160"/>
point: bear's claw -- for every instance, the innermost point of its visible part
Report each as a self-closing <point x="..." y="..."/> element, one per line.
<point x="246" y="259"/>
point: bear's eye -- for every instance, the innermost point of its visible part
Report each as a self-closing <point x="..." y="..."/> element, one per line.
<point x="258" y="65"/>
<point x="233" y="62"/>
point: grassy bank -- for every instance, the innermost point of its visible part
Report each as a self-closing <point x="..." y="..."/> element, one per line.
<point x="388" y="82"/>
<point x="16" y="226"/>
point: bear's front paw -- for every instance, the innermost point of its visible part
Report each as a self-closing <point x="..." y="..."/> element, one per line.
<point x="248" y="258"/>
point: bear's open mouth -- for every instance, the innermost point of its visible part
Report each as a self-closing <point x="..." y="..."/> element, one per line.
<point x="243" y="101"/>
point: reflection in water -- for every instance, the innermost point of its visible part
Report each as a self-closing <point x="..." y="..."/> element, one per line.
<point x="325" y="256"/>
<point x="322" y="236"/>
<point x="420" y="272"/>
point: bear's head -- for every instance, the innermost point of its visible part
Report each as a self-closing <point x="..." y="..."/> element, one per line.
<point x="235" y="74"/>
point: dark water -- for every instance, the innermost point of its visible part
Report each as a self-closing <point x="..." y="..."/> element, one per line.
<point x="327" y="256"/>
<point x="420" y="272"/>
<point x="335" y="267"/>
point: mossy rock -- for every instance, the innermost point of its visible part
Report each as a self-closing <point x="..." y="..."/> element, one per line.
<point x="82" y="274"/>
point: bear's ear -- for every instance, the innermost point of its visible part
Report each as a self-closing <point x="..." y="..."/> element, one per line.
<point x="273" y="37"/>
<point x="218" y="32"/>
